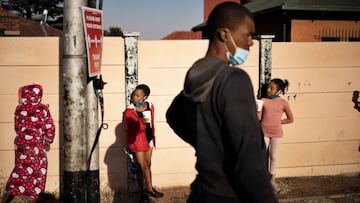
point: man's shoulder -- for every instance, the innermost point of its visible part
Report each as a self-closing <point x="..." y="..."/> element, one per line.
<point x="238" y="70"/>
<point x="235" y="73"/>
<point x="210" y="65"/>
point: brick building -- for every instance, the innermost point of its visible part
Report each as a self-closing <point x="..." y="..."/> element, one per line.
<point x="208" y="6"/>
<point x="305" y="21"/>
<point x="13" y="25"/>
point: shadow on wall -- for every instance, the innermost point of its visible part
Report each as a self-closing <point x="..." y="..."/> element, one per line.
<point x="355" y="99"/>
<point x="116" y="162"/>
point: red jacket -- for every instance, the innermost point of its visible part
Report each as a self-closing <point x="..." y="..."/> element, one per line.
<point x="135" y="129"/>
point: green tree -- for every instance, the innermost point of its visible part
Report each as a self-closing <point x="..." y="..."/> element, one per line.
<point x="113" y="31"/>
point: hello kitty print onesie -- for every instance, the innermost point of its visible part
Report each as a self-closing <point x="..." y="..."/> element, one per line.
<point x="34" y="128"/>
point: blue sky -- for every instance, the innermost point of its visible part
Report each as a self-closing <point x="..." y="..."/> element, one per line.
<point x="154" y="19"/>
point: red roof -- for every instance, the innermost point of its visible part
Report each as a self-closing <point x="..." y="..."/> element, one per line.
<point x="14" y="25"/>
<point x="179" y="35"/>
<point x="34" y="28"/>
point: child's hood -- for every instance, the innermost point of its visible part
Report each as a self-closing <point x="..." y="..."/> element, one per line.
<point x="30" y="94"/>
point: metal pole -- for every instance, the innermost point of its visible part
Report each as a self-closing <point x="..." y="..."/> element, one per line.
<point x="91" y="3"/>
<point x="131" y="80"/>
<point x="265" y="60"/>
<point x="92" y="175"/>
<point x="92" y="112"/>
<point x="74" y="80"/>
<point x="100" y="4"/>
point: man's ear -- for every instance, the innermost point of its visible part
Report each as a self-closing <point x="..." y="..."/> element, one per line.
<point x="222" y="34"/>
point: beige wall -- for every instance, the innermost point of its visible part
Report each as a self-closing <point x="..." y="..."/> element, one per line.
<point x="324" y="139"/>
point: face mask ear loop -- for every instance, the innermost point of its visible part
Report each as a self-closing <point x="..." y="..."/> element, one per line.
<point x="232" y="40"/>
<point x="226" y="47"/>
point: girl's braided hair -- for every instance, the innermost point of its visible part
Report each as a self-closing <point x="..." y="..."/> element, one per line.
<point x="282" y="84"/>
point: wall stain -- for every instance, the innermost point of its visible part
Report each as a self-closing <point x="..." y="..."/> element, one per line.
<point x="291" y="96"/>
<point x="74" y="39"/>
<point x="307" y="83"/>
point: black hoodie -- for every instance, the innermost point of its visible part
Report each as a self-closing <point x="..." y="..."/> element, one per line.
<point x="225" y="132"/>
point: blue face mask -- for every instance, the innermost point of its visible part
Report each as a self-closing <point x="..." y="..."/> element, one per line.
<point x="273" y="96"/>
<point x="140" y="103"/>
<point x="239" y="56"/>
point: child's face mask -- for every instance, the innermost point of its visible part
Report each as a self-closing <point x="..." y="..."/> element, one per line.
<point x="140" y="103"/>
<point x="275" y="95"/>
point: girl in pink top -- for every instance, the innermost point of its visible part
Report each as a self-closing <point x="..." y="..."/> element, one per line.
<point x="271" y="120"/>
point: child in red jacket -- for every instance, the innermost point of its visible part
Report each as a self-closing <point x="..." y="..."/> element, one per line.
<point x="139" y="117"/>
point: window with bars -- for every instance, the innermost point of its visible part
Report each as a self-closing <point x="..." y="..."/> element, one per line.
<point x="339" y="34"/>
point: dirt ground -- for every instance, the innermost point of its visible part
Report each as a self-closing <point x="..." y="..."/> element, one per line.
<point x="322" y="189"/>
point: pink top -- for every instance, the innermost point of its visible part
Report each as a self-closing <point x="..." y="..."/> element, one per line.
<point x="271" y="114"/>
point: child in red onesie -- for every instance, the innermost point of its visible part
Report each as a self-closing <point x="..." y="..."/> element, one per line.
<point x="35" y="131"/>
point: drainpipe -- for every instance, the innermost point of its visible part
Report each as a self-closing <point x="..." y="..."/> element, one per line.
<point x="74" y="99"/>
<point x="265" y="60"/>
<point x="131" y="81"/>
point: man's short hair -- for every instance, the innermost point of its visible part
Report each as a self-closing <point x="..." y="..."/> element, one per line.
<point x="226" y="15"/>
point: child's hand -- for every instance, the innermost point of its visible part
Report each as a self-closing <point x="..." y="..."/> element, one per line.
<point x="259" y="104"/>
<point x="145" y="120"/>
<point x="47" y="146"/>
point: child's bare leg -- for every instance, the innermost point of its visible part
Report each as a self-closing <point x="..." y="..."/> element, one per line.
<point x="141" y="158"/>
<point x="148" y="155"/>
<point x="144" y="160"/>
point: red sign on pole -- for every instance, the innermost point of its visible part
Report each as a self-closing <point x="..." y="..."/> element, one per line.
<point x="92" y="20"/>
